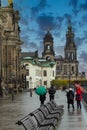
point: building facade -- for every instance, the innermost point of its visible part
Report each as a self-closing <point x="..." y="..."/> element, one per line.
<point x="10" y="46"/>
<point x="67" y="66"/>
<point x="38" y="72"/>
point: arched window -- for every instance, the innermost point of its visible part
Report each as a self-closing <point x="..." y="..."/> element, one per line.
<point x="68" y="55"/>
<point x="48" y="47"/>
<point x="53" y="74"/>
<point x="73" y="69"/>
<point x="45" y="73"/>
<point x="72" y="56"/>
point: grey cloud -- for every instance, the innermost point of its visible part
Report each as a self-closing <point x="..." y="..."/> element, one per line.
<point x="29" y="46"/>
<point x="79" y="41"/>
<point x="35" y="10"/>
<point x="42" y="4"/>
<point x="59" y="21"/>
<point x="46" y="22"/>
<point x="67" y="16"/>
<point x="84" y="6"/>
<point x="83" y="56"/>
<point x="83" y="62"/>
<point x="75" y="11"/>
<point x="59" y="50"/>
<point x="73" y="3"/>
<point x="84" y="19"/>
<point x="75" y="7"/>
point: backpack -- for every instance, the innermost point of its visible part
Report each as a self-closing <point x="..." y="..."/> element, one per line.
<point x="70" y="96"/>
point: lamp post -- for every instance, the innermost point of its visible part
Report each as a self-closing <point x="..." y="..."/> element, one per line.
<point x="30" y="86"/>
<point x="69" y="79"/>
<point x="7" y="33"/>
<point x="30" y="82"/>
<point x="0" y="58"/>
<point x="69" y="73"/>
<point x="1" y="93"/>
<point x="40" y="82"/>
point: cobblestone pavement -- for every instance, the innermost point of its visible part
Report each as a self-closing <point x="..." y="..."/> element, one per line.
<point x="12" y="111"/>
<point x="76" y="120"/>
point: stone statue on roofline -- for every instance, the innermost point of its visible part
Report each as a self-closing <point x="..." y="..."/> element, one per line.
<point x="10" y="2"/>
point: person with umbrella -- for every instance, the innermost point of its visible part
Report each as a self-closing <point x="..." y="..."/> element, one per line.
<point x="41" y="91"/>
<point x="42" y="99"/>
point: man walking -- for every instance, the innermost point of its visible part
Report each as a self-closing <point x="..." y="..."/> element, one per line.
<point x="52" y="92"/>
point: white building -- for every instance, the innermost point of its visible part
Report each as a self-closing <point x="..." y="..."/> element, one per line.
<point x="39" y="72"/>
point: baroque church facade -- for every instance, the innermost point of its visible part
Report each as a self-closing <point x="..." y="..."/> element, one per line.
<point x="10" y="45"/>
<point x="68" y="66"/>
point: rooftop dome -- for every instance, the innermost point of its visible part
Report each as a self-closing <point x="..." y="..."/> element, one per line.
<point x="48" y="37"/>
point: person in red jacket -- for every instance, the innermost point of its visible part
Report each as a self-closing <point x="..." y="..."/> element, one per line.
<point x="78" y="97"/>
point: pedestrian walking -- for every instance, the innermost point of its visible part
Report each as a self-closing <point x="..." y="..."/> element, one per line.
<point x="70" y="98"/>
<point x="41" y="91"/>
<point x="51" y="92"/>
<point x="31" y="93"/>
<point x="78" y="98"/>
<point x="79" y="91"/>
<point x="1" y="92"/>
<point x="12" y="94"/>
<point x="42" y="99"/>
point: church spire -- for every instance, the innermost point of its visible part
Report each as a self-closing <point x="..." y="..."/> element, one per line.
<point x="69" y="26"/>
<point x="70" y="47"/>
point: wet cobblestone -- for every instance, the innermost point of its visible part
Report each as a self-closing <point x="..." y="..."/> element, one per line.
<point x="12" y="111"/>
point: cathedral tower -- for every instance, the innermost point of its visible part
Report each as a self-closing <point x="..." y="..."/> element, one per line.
<point x="71" y="63"/>
<point x="48" y="47"/>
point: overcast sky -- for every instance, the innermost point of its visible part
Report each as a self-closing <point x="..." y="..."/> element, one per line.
<point x="39" y="16"/>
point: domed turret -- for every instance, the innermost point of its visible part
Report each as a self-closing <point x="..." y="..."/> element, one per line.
<point x="48" y="47"/>
<point x="48" y="37"/>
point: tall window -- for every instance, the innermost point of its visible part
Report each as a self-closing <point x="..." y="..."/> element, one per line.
<point x="68" y="55"/>
<point x="48" y="47"/>
<point x="45" y="83"/>
<point x="53" y="73"/>
<point x="45" y="73"/>
<point x="73" y="69"/>
<point x="72" y="56"/>
<point x="65" y="69"/>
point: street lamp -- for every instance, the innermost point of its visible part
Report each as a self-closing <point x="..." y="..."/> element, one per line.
<point x="69" y="79"/>
<point x="69" y="73"/>
<point x="30" y="82"/>
<point x="0" y="57"/>
<point x="1" y="93"/>
<point x="6" y="33"/>
<point x="40" y="81"/>
<point x="30" y="86"/>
